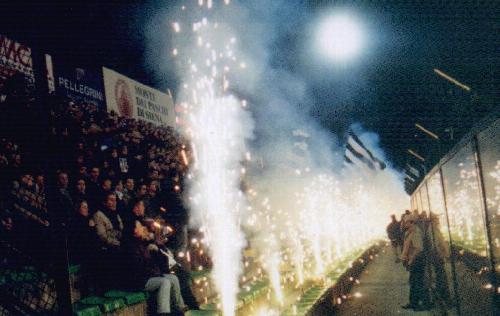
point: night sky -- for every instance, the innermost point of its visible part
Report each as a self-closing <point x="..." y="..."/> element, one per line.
<point x="388" y="90"/>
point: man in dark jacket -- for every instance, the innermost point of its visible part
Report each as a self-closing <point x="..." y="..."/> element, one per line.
<point x="394" y="234"/>
<point x="64" y="199"/>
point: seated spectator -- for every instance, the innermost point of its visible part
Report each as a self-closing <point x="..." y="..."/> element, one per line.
<point x="6" y="227"/>
<point x="64" y="199"/>
<point x="93" y="188"/>
<point x="147" y="269"/>
<point x="82" y="172"/>
<point x="119" y="190"/>
<point x="142" y="191"/>
<point x="152" y="201"/>
<point x="109" y="227"/>
<point x="82" y="240"/>
<point x="108" y="223"/>
<point x="114" y="162"/>
<point x="128" y="191"/>
<point x="40" y="184"/>
<point x="80" y="191"/>
<point x="135" y="213"/>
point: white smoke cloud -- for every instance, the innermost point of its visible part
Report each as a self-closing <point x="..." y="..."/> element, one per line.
<point x="307" y="206"/>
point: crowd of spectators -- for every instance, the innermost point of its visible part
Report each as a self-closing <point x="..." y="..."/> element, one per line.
<point x="419" y="245"/>
<point x="118" y="191"/>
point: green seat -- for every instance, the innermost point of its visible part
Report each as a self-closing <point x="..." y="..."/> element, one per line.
<point x="74" y="268"/>
<point x="29" y="268"/>
<point x="113" y="304"/>
<point x="208" y="307"/>
<point x="107" y="305"/>
<point x="92" y="300"/>
<point x="86" y="310"/>
<point x="25" y="276"/>
<point x="199" y="274"/>
<point x="201" y="313"/>
<point x="130" y="298"/>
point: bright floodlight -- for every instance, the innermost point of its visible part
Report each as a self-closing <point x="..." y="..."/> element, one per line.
<point x="340" y="37"/>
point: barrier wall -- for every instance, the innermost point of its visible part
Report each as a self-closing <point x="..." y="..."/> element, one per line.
<point x="463" y="190"/>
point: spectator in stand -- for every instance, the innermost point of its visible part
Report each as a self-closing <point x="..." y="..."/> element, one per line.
<point x="27" y="182"/>
<point x="64" y="200"/>
<point x="4" y="177"/>
<point x="106" y="186"/>
<point x="128" y="191"/>
<point x="393" y="232"/>
<point x="82" y="238"/>
<point x="107" y="170"/>
<point x="114" y="163"/>
<point x="10" y="236"/>
<point x="15" y="168"/>
<point x="82" y="172"/>
<point x="6" y="227"/>
<point x="40" y="184"/>
<point x="120" y="202"/>
<point x="134" y="214"/>
<point x="152" y="201"/>
<point x="80" y="191"/>
<point x="119" y="189"/>
<point x="109" y="227"/>
<point x="108" y="223"/>
<point x="147" y="269"/>
<point x="93" y="188"/>
<point x="142" y="191"/>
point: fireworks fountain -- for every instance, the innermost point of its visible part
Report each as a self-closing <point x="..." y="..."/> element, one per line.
<point x="219" y="128"/>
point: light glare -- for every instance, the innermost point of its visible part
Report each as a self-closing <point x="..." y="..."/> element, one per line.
<point x="340" y="37"/>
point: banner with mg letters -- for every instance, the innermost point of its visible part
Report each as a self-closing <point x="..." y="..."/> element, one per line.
<point x="15" y="58"/>
<point x="132" y="99"/>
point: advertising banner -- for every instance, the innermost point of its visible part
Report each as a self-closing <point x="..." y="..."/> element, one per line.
<point x="132" y="99"/>
<point x="79" y="84"/>
<point x="15" y="58"/>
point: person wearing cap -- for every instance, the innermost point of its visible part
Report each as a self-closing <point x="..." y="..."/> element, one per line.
<point x="413" y="258"/>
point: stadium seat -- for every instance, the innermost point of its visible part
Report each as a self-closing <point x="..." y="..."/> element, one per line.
<point x="130" y="298"/>
<point x="86" y="310"/>
<point x="106" y="305"/>
<point x="202" y="313"/>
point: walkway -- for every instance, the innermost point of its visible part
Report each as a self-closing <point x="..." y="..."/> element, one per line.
<point x="383" y="289"/>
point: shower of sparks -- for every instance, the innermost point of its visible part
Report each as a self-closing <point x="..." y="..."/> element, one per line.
<point x="218" y="142"/>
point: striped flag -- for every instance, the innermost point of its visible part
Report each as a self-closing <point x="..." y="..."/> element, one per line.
<point x="413" y="171"/>
<point x="356" y="153"/>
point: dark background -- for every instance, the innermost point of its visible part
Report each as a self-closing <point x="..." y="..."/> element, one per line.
<point x="388" y="94"/>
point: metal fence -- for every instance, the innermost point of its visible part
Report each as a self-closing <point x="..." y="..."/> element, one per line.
<point x="463" y="190"/>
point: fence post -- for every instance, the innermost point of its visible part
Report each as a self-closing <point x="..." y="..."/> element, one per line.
<point x="452" y="253"/>
<point x="57" y="228"/>
<point x="492" y="272"/>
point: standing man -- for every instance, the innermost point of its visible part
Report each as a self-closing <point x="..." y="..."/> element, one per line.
<point x="414" y="260"/>
<point x="393" y="232"/>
